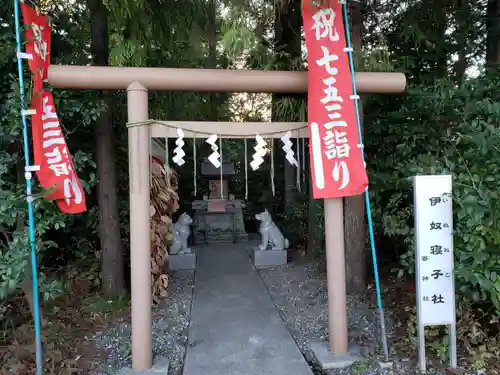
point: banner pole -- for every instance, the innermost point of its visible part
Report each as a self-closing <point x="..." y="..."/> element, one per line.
<point x="383" y="333"/>
<point x="29" y="197"/>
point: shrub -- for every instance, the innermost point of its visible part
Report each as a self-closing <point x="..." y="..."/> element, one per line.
<point x="440" y="130"/>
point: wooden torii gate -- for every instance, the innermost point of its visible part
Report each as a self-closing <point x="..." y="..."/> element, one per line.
<point x="137" y="82"/>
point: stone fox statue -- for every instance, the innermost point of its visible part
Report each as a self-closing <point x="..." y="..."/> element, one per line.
<point x="181" y="232"/>
<point x="270" y="233"/>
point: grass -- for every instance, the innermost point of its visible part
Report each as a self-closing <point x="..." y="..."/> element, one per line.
<point x="360" y="367"/>
<point x="68" y="321"/>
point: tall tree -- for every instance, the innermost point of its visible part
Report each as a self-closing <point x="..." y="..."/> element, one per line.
<point x="112" y="272"/>
<point x="462" y="17"/>
<point x="211" y="62"/>
<point x="493" y="33"/>
<point x="417" y="32"/>
<point x="288" y="50"/>
<point x="354" y="207"/>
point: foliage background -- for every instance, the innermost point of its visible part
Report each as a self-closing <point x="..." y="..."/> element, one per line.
<point x="447" y="122"/>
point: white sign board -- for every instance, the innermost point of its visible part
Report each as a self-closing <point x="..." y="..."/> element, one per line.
<point x="433" y="208"/>
<point x="434" y="235"/>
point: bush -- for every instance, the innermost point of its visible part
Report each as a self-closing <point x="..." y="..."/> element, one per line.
<point x="55" y="231"/>
<point x="440" y="130"/>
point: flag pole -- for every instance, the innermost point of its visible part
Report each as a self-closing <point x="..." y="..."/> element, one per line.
<point x="29" y="197"/>
<point x="367" y="196"/>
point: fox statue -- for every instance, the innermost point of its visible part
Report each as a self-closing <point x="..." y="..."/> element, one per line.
<point x="181" y="232"/>
<point x="270" y="233"/>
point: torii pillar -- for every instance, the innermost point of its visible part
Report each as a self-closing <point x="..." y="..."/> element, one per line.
<point x="137" y="82"/>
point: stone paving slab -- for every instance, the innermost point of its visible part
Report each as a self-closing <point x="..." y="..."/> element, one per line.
<point x="235" y="327"/>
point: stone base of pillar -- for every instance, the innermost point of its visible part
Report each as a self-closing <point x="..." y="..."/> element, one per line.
<point x="328" y="360"/>
<point x="160" y="367"/>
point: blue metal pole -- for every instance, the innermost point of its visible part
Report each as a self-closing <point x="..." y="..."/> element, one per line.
<point x="29" y="197"/>
<point x="367" y="196"/>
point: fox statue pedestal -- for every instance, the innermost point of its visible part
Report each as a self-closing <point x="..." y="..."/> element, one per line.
<point x="181" y="257"/>
<point x="272" y="237"/>
<point x="182" y="261"/>
<point x="269" y="258"/>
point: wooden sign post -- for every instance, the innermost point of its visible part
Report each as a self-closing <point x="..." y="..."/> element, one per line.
<point x="434" y="260"/>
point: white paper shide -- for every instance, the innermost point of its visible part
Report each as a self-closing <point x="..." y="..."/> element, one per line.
<point x="434" y="240"/>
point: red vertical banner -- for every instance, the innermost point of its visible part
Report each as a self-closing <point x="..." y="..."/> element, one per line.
<point x="57" y="172"/>
<point x="38" y="41"/>
<point x="337" y="165"/>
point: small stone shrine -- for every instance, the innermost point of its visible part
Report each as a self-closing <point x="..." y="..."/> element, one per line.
<point x="219" y="216"/>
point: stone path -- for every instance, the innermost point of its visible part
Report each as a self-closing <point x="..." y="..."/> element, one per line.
<point x="235" y="328"/>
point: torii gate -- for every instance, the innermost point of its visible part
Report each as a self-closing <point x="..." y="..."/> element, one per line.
<point x="137" y="82"/>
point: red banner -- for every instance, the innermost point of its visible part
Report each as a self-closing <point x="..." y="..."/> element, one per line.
<point x="337" y="165"/>
<point x="57" y="172"/>
<point x="38" y="41"/>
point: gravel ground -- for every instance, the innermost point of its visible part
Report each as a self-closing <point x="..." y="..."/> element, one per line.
<point x="300" y="295"/>
<point x="170" y="324"/>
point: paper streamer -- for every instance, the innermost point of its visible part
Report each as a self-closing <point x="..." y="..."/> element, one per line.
<point x="178" y="151"/>
<point x="214" y="157"/>
<point x="287" y="147"/>
<point x="260" y="151"/>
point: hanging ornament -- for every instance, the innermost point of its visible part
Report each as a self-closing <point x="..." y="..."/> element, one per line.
<point x="166" y="152"/>
<point x="260" y="152"/>
<point x="299" y="171"/>
<point x="287" y="147"/>
<point x="246" y="170"/>
<point x="178" y="151"/>
<point x="195" y="173"/>
<point x="221" y="176"/>
<point x="214" y="157"/>
<point x="272" y="168"/>
<point x="303" y="159"/>
<point x="150" y="160"/>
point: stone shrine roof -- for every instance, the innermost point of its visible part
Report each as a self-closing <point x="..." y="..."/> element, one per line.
<point x="208" y="169"/>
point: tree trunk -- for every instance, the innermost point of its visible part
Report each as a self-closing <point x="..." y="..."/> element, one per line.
<point x="112" y="273"/>
<point x="211" y="62"/>
<point x="462" y="16"/>
<point x="312" y="238"/>
<point x="354" y="207"/>
<point x="288" y="44"/>
<point x="493" y="34"/>
<point x="463" y="29"/>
